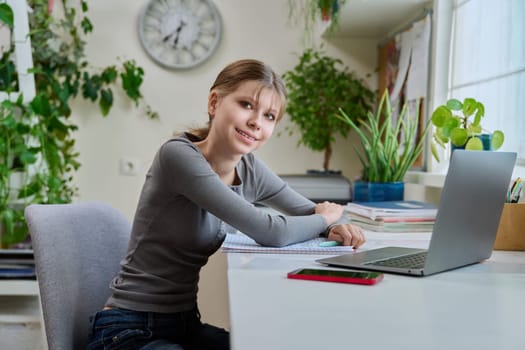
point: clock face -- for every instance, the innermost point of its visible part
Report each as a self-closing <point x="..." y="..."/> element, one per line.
<point x="180" y="33"/>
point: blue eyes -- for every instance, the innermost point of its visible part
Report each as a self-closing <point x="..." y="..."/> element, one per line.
<point x="248" y="105"/>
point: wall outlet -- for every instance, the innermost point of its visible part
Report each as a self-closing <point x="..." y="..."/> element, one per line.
<point x="129" y="166"/>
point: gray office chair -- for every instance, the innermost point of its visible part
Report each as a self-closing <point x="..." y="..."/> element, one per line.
<point x="77" y="250"/>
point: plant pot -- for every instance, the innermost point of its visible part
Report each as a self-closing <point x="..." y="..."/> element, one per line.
<point x="378" y="191"/>
<point x="486" y="140"/>
<point x="325" y="14"/>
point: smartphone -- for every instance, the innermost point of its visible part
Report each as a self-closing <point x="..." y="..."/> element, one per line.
<point x="342" y="276"/>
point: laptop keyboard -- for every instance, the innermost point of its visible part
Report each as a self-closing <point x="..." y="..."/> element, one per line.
<point x="413" y="261"/>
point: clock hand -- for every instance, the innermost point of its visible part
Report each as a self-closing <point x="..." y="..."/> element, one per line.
<point x="175" y="32"/>
<point x="175" y="42"/>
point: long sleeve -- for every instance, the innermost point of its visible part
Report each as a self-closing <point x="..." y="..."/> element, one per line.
<point x="199" y="183"/>
<point x="179" y="220"/>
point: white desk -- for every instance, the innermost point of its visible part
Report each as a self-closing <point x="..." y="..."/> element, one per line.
<point x="476" y="307"/>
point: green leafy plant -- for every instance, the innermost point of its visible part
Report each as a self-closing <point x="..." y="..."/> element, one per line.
<point x="21" y="139"/>
<point x="36" y="138"/>
<point x="460" y="124"/>
<point x="8" y="75"/>
<point x="317" y="87"/>
<point x="389" y="148"/>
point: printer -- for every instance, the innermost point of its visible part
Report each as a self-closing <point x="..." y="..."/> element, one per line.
<point x="320" y="187"/>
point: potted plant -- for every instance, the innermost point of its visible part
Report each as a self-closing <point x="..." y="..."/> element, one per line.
<point x="460" y="124"/>
<point x="329" y="9"/>
<point x="388" y="150"/>
<point x="310" y="11"/>
<point x="36" y="138"/>
<point x="317" y="87"/>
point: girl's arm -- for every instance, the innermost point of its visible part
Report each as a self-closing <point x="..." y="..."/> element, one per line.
<point x="186" y="172"/>
<point x="275" y="193"/>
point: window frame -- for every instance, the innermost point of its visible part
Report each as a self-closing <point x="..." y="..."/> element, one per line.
<point x="443" y="22"/>
<point x="441" y="71"/>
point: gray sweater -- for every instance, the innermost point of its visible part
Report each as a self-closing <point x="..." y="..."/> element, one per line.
<point x="180" y="219"/>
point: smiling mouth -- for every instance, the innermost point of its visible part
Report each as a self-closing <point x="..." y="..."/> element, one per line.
<point x="249" y="137"/>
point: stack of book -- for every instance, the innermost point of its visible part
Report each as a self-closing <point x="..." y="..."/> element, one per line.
<point x="393" y="216"/>
<point x="17" y="263"/>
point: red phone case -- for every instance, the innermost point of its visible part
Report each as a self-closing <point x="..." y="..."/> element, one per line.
<point x="339" y="279"/>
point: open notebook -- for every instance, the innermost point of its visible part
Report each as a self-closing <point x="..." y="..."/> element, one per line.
<point x="240" y="243"/>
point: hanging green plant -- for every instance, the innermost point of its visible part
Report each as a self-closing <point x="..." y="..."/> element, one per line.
<point x="36" y="139"/>
<point x="309" y="12"/>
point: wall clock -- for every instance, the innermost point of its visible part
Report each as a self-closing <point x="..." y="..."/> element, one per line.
<point x="180" y="34"/>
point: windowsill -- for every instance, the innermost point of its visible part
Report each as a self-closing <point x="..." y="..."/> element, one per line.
<point x="425" y="178"/>
<point x="437" y="179"/>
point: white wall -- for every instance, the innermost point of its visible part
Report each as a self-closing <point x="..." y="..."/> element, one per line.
<point x="252" y="29"/>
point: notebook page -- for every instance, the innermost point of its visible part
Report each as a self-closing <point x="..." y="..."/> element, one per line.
<point x="240" y="243"/>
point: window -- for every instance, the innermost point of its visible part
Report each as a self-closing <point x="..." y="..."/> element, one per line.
<point x="486" y="60"/>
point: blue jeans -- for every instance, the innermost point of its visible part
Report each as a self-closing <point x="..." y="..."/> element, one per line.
<point x="127" y="329"/>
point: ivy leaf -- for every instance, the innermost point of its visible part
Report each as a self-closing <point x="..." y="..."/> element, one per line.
<point x="132" y="80"/>
<point x="40" y="105"/>
<point x="109" y="75"/>
<point x="28" y="157"/>
<point x="30" y="189"/>
<point x="8" y="74"/>
<point x="56" y="125"/>
<point x="90" y="87"/>
<point x="64" y="93"/>
<point x="54" y="183"/>
<point x="6" y="15"/>
<point x="106" y="101"/>
<point x="86" y="25"/>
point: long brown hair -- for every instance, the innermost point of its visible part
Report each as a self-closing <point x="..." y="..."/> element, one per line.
<point x="239" y="72"/>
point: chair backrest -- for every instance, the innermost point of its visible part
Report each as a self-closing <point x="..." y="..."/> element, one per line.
<point x="77" y="248"/>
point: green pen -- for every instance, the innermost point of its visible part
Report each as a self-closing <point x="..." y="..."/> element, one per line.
<point x="329" y="244"/>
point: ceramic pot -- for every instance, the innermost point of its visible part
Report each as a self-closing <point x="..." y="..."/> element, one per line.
<point x="378" y="191"/>
<point x="486" y="140"/>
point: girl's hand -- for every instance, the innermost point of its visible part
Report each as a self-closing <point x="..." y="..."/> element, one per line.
<point x="347" y="234"/>
<point x="331" y="212"/>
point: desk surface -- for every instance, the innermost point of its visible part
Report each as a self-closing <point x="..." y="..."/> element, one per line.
<point x="476" y="307"/>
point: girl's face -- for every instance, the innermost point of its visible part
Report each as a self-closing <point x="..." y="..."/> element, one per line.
<point x="245" y="119"/>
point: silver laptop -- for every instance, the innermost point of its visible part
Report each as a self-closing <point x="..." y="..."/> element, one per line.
<point x="466" y="224"/>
